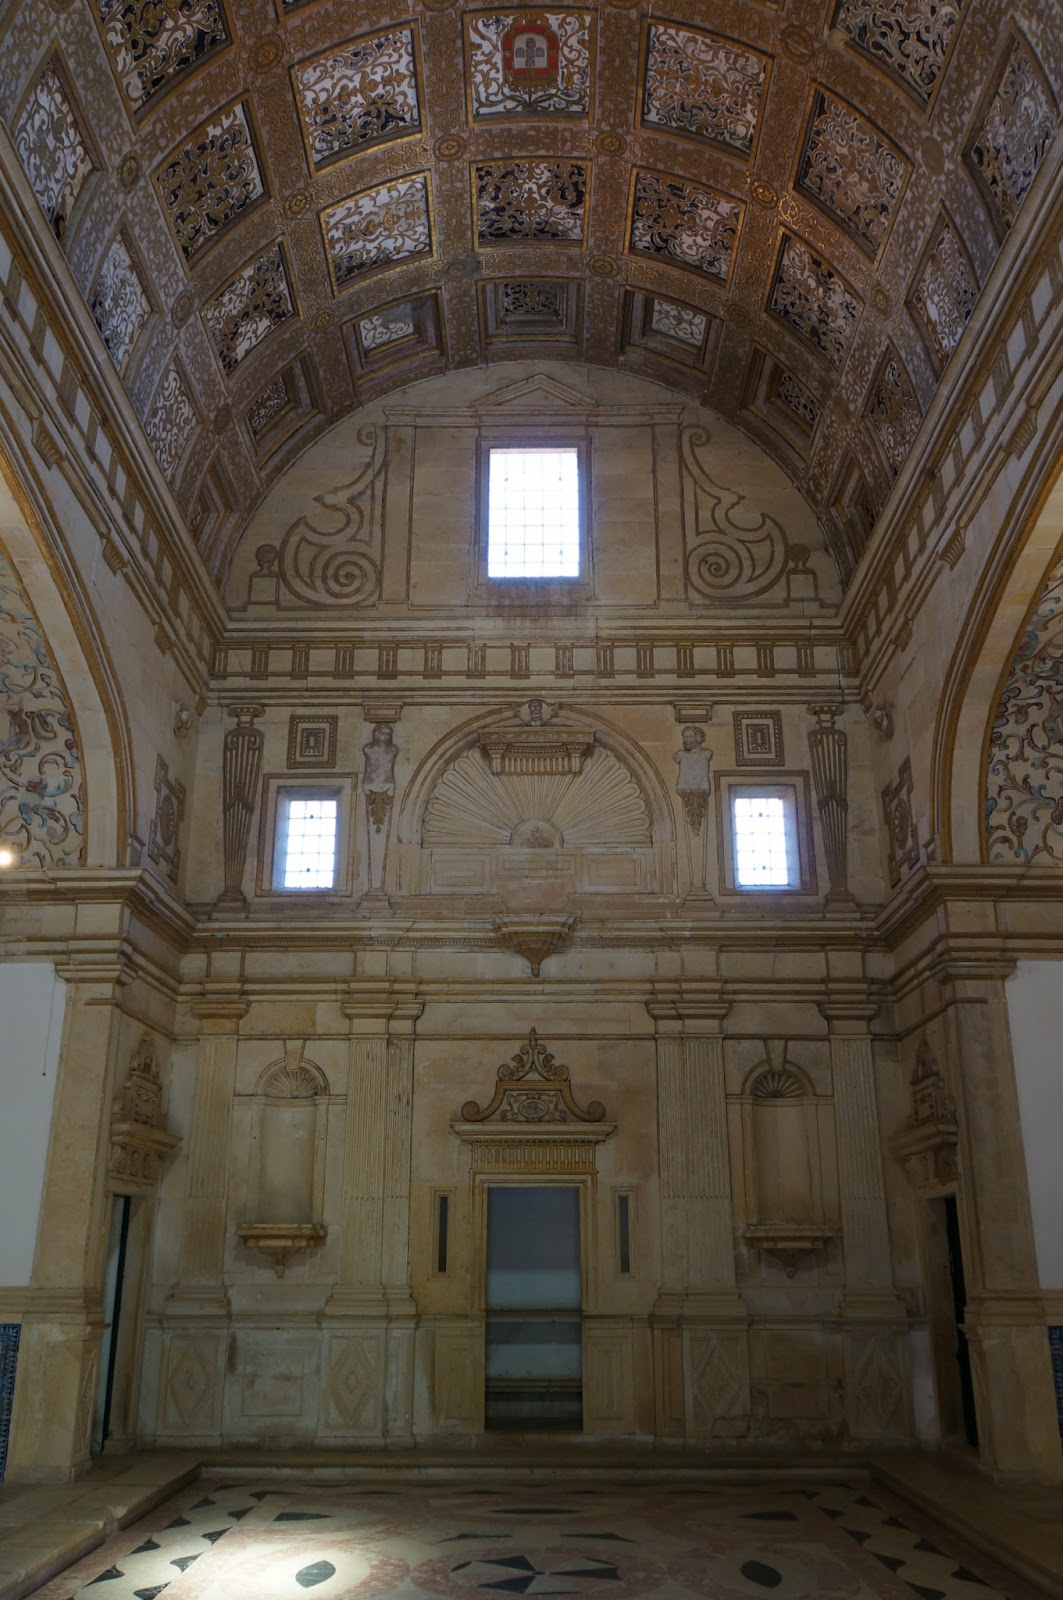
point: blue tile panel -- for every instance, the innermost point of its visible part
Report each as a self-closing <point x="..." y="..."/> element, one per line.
<point x="9" y="1332"/>
<point x="1055" y="1344"/>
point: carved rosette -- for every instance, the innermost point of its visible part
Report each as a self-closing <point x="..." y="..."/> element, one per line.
<point x="828" y="749"/>
<point x="241" y="766"/>
<point x="140" y="1140"/>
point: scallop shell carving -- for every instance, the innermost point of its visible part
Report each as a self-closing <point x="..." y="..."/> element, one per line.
<point x="600" y="806"/>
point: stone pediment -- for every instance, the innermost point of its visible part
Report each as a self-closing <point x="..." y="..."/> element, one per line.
<point x="539" y="394"/>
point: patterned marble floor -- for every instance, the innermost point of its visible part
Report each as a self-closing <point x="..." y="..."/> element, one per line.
<point x="618" y="1540"/>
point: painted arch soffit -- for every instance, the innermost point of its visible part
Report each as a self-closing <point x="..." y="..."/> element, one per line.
<point x="276" y="217"/>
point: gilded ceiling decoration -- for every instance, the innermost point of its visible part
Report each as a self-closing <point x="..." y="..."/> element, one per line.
<point x="772" y="208"/>
<point x="378" y="228"/>
<point x="529" y="62"/>
<point x="851" y="172"/>
<point x="530" y="200"/>
<point x="684" y="223"/>
<point x="945" y="293"/>
<point x="119" y="304"/>
<point x="52" y="149"/>
<point x="909" y="38"/>
<point x="152" y="45"/>
<point x="1019" y="122"/>
<point x="358" y="96"/>
<point x="258" y="300"/>
<point x="702" y="86"/>
<point x="813" y="300"/>
<point x="208" y="183"/>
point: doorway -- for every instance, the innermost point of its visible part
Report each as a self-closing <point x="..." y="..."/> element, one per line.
<point x="946" y="1303"/>
<point x="117" y="1243"/>
<point x="534" y="1355"/>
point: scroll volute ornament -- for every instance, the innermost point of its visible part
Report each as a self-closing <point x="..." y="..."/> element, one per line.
<point x="553" y="1102"/>
<point x="140" y="1141"/>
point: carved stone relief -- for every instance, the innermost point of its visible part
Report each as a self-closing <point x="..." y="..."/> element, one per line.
<point x="945" y="294"/>
<point x="140" y="1140"/>
<point x="332" y="557"/>
<point x="164" y="838"/>
<point x="171" y="422"/>
<point x="909" y="38"/>
<point x="548" y="1100"/>
<point x="901" y="834"/>
<point x="241" y="766"/>
<point x="893" y="412"/>
<point x="41" y="801"/>
<point x="812" y="299"/>
<point x="928" y="1144"/>
<point x="733" y="552"/>
<point x="828" y="750"/>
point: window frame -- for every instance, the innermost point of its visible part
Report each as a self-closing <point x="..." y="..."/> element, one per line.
<point x="277" y="789"/>
<point x="535" y="591"/>
<point x="793" y="789"/>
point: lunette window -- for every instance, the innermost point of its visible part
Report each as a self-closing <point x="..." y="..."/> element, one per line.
<point x="305" y="847"/>
<point x="764" y="836"/>
<point x="533" y="513"/>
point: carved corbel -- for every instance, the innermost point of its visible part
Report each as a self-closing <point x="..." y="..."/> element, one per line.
<point x="140" y="1140"/>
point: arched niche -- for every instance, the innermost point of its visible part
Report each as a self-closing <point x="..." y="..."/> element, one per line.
<point x="584" y="813"/>
<point x="289" y="1122"/>
<point x="70" y="641"/>
<point x="784" y="1140"/>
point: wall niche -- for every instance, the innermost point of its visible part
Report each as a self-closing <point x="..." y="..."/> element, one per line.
<point x="782" y="1137"/>
<point x="286" y="1176"/>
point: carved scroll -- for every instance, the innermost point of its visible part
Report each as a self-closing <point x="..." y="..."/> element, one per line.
<point x="552" y="1103"/>
<point x="828" y="749"/>
<point x="329" y="561"/>
<point x="735" y="552"/>
<point x="241" y="764"/>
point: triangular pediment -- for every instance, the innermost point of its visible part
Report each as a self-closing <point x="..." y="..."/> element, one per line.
<point x="537" y="393"/>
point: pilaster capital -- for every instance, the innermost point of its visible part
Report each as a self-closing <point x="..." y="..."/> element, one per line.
<point x="688" y="1009"/>
<point x="848" y="1018"/>
<point x="108" y="975"/>
<point x="379" y="1007"/>
<point x="952" y="968"/>
<point x="220" y="1013"/>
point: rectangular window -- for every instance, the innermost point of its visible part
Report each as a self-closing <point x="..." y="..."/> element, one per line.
<point x="533" y="513"/>
<point x="304" y="856"/>
<point x="764" y="835"/>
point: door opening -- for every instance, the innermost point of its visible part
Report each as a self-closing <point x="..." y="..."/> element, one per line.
<point x="959" y="1306"/>
<point x="534" y="1356"/>
<point x="112" y="1306"/>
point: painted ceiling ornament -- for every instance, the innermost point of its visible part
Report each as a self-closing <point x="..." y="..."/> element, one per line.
<point x="266" y="53"/>
<point x="449" y="147"/>
<point x="128" y="172"/>
<point x="554" y="1102"/>
<point x="530" y="53"/>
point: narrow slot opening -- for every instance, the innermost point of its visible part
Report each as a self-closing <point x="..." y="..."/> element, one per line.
<point x="623" y="1233"/>
<point x="442" y="1225"/>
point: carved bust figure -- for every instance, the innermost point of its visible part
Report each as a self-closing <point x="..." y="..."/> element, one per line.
<point x="693" y="761"/>
<point x="378" y="776"/>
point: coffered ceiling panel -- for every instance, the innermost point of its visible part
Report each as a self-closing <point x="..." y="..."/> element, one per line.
<point x="278" y="210"/>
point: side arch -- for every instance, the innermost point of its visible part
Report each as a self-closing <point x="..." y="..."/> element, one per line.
<point x="1000" y="609"/>
<point x="67" y="623"/>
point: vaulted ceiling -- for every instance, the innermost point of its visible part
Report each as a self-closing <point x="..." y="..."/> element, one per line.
<point x="277" y="210"/>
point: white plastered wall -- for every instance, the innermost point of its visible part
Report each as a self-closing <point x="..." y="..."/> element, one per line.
<point x="1035" y="1015"/>
<point x="32" y="998"/>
